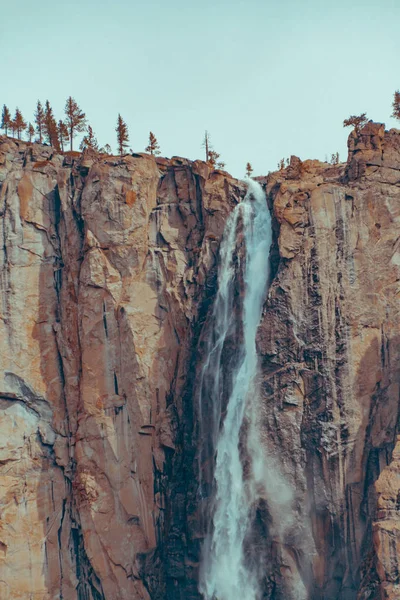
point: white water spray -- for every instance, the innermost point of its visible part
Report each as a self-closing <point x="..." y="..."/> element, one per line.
<point x="225" y="574"/>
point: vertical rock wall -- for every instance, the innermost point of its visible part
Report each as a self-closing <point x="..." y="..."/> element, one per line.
<point x="108" y="273"/>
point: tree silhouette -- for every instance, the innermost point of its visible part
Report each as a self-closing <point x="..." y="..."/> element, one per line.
<point x="5" y="119"/>
<point x="76" y="119"/>
<point x="89" y="141"/>
<point x="206" y="144"/>
<point x="249" y="169"/>
<point x="356" y="121"/>
<point x="122" y="134"/>
<point x="396" y="105"/>
<point x="63" y="134"/>
<point x="39" y="120"/>
<point x="31" y="131"/>
<point x="50" y="128"/>
<point x="20" y="123"/>
<point x="153" y="147"/>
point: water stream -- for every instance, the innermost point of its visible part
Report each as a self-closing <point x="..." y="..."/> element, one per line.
<point x="225" y="574"/>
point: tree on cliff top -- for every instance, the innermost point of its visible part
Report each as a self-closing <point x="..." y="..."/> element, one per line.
<point x="20" y="123"/>
<point x="356" y="121"/>
<point x="122" y="134"/>
<point x="50" y="128"/>
<point x="249" y="169"/>
<point x="213" y="161"/>
<point x="5" y="119"/>
<point x="39" y="120"/>
<point x="396" y="105"/>
<point x="31" y="131"/>
<point x="206" y="144"/>
<point x="63" y="134"/>
<point x="76" y="119"/>
<point x="89" y="141"/>
<point x="154" y="146"/>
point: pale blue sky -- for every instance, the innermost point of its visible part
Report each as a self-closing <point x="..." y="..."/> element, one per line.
<point x="266" y="78"/>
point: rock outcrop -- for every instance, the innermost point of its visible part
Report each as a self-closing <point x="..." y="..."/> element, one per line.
<point x="108" y="272"/>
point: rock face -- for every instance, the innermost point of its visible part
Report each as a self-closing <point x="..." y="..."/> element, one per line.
<point x="108" y="273"/>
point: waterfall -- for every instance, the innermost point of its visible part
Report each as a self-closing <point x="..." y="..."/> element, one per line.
<point x="224" y="573"/>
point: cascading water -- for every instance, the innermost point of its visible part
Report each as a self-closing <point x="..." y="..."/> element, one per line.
<point x="225" y="574"/>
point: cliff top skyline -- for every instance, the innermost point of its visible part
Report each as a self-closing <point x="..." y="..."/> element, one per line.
<point x="266" y="80"/>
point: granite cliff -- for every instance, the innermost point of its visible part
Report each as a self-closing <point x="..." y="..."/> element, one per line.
<point x="108" y="275"/>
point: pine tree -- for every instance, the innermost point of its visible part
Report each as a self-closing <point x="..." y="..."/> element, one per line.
<point x="20" y="123"/>
<point x="249" y="170"/>
<point x="122" y="135"/>
<point x="356" y="121"/>
<point x="396" y="105"/>
<point x="89" y="141"/>
<point x="153" y="147"/>
<point x="50" y="128"/>
<point x="31" y="131"/>
<point x="63" y="134"/>
<point x="76" y="119"/>
<point x="5" y="119"/>
<point x="39" y="120"/>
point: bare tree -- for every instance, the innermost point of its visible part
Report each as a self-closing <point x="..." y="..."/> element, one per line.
<point x="249" y="169"/>
<point x="396" y="105"/>
<point x="153" y="147"/>
<point x="206" y="144"/>
<point x="76" y="118"/>
<point x="356" y="121"/>
<point x="6" y="119"/>
<point x="89" y="141"/>
<point x="122" y="134"/>
<point x="39" y="120"/>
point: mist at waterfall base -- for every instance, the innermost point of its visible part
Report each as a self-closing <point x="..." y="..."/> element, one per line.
<point x="225" y="573"/>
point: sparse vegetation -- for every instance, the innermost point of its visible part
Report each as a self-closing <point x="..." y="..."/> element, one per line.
<point x="281" y="164"/>
<point x="356" y="121"/>
<point x="211" y="155"/>
<point x="335" y="158"/>
<point x="76" y="119"/>
<point x="50" y="129"/>
<point x="249" y="170"/>
<point x="396" y="105"/>
<point x="122" y="135"/>
<point x="6" y="119"/>
<point x="19" y="122"/>
<point x="63" y="134"/>
<point x="39" y="120"/>
<point x="31" y="131"/>
<point x="89" y="141"/>
<point x="153" y="147"/>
